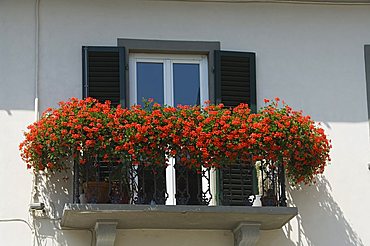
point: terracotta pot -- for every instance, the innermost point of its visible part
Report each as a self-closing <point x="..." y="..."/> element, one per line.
<point x="269" y="201"/>
<point x="96" y="191"/>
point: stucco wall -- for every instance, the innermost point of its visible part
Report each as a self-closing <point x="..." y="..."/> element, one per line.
<point x="16" y="105"/>
<point x="311" y="56"/>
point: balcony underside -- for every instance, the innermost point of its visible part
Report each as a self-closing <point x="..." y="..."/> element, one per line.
<point x="85" y="216"/>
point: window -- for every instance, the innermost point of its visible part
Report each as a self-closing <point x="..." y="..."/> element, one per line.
<point x="177" y="72"/>
<point x="172" y="79"/>
<point x="168" y="79"/>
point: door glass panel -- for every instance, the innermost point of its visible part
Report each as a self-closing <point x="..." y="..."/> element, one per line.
<point x="186" y="80"/>
<point x="149" y="82"/>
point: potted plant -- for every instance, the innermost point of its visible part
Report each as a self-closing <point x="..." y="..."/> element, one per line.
<point x="288" y="138"/>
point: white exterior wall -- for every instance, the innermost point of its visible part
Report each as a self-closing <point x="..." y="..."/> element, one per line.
<point x="312" y="56"/>
<point x="16" y="105"/>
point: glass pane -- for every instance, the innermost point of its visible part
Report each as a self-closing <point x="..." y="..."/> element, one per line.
<point x="149" y="81"/>
<point x="186" y="81"/>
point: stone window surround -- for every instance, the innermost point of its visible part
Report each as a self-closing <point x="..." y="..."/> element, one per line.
<point x="173" y="47"/>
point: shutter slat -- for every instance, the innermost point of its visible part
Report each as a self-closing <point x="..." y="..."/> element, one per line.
<point x="104" y="64"/>
<point x="100" y="91"/>
<point x="235" y="92"/>
<point x="239" y="67"/>
<point x="104" y="79"/>
<point x="96" y="73"/>
<point x="100" y="53"/>
<point x="98" y="70"/>
<point x="235" y="79"/>
<point x="235" y="73"/>
<point x="234" y="99"/>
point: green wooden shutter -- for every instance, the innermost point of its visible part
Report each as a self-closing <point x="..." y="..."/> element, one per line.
<point x="104" y="74"/>
<point x="103" y="78"/>
<point x="235" y="83"/>
<point x="235" y="74"/>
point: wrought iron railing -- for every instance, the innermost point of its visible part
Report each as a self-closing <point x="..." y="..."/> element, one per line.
<point x="122" y="183"/>
<point x="272" y="183"/>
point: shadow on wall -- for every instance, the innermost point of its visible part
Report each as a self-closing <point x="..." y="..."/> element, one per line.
<point x="55" y="191"/>
<point x="321" y="221"/>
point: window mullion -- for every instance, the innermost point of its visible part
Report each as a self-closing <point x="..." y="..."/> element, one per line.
<point x="204" y="95"/>
<point x="168" y="82"/>
<point x="132" y="82"/>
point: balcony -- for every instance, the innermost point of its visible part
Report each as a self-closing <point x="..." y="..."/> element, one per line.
<point x="209" y="181"/>
<point x="111" y="196"/>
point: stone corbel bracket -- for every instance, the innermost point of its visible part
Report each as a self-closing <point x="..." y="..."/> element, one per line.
<point x="246" y="234"/>
<point x="105" y="232"/>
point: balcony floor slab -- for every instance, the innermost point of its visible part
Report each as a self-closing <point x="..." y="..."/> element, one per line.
<point x="84" y="216"/>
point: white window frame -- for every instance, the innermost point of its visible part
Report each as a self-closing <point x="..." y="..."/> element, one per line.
<point x="168" y="60"/>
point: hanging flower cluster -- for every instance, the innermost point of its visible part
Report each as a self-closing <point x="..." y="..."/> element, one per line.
<point x="284" y="136"/>
<point x="212" y="136"/>
<point x="76" y="127"/>
<point x="196" y="136"/>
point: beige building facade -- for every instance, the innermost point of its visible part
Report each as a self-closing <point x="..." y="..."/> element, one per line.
<point x="309" y="54"/>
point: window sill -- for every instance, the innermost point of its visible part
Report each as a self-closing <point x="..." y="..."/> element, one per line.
<point x="85" y="216"/>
